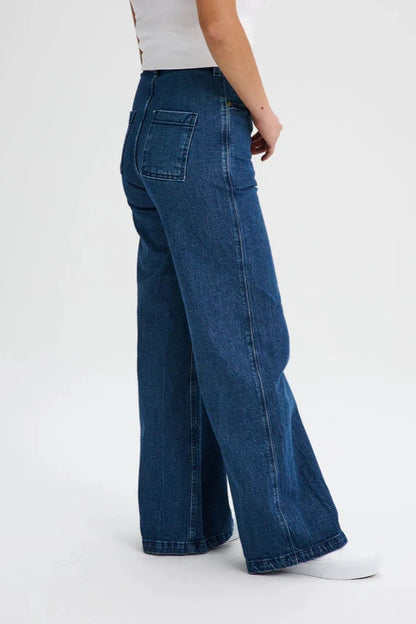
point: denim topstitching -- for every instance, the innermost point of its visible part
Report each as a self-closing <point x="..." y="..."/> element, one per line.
<point x="151" y="86"/>
<point x="225" y="115"/>
<point x="193" y="440"/>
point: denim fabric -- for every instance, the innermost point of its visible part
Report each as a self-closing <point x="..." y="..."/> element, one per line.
<point x="213" y="342"/>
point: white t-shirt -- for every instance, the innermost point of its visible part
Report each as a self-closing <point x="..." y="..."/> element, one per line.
<point x="170" y="36"/>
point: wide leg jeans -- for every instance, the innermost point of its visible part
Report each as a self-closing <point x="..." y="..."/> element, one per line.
<point x="212" y="339"/>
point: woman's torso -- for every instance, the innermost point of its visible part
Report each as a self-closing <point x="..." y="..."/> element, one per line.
<point x="170" y="36"/>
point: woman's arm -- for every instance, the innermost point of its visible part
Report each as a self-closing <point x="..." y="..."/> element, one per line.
<point x="133" y="13"/>
<point x="230" y="48"/>
<point x="134" y="20"/>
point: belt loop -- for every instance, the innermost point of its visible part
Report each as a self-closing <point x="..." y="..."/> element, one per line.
<point x="216" y="71"/>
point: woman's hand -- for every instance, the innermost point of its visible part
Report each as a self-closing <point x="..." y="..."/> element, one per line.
<point x="269" y="128"/>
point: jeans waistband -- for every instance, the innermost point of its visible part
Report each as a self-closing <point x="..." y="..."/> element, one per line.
<point x="215" y="70"/>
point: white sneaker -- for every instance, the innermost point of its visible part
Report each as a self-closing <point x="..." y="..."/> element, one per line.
<point x="347" y="562"/>
<point x="235" y="534"/>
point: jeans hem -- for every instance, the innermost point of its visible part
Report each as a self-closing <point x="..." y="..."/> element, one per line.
<point x="190" y="547"/>
<point x="259" y="566"/>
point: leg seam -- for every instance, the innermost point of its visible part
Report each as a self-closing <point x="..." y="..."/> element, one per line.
<point x="141" y="124"/>
<point x="192" y="424"/>
<point x="250" y="320"/>
<point x="162" y="489"/>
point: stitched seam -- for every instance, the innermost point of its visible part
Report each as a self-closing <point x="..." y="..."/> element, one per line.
<point x="179" y="544"/>
<point x="298" y="551"/>
<point x="188" y="145"/>
<point x="306" y="554"/>
<point x="141" y="124"/>
<point x="250" y="318"/>
<point x="132" y="115"/>
<point x="162" y="490"/>
<point x="192" y="517"/>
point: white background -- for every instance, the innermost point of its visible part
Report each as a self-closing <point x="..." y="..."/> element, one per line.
<point x="338" y="197"/>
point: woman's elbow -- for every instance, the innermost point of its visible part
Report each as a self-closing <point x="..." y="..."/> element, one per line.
<point x="214" y="31"/>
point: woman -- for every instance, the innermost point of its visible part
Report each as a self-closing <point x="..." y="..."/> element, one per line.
<point x="212" y="337"/>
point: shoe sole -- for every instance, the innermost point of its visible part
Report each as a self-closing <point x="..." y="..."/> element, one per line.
<point x="342" y="572"/>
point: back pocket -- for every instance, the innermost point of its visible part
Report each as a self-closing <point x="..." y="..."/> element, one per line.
<point x="166" y="147"/>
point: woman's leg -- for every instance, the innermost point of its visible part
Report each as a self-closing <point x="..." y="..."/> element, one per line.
<point x="193" y="158"/>
<point x="183" y="498"/>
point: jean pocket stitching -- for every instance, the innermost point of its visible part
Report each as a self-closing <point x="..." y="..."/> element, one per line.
<point x="165" y="157"/>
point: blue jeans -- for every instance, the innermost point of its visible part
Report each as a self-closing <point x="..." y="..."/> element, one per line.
<point x="213" y="342"/>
